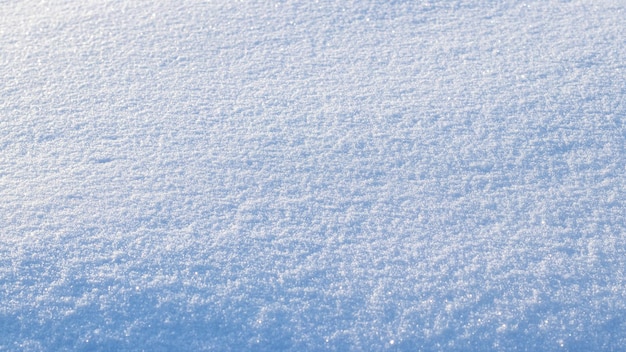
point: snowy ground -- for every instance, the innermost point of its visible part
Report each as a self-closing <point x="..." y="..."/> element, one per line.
<point x="312" y="175"/>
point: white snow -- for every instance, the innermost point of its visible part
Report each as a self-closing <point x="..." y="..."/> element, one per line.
<point x="312" y="175"/>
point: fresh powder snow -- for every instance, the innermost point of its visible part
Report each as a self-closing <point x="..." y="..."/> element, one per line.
<point x="299" y="175"/>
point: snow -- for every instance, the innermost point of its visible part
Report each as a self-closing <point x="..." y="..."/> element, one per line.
<point x="312" y="175"/>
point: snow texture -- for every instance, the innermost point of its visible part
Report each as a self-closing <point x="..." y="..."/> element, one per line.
<point x="296" y="175"/>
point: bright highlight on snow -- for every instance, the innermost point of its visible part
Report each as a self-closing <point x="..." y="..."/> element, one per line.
<point x="312" y="175"/>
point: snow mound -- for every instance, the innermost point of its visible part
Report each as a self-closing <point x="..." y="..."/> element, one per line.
<point x="312" y="175"/>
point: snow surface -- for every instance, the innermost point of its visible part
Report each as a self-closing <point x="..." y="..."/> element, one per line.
<point x="312" y="175"/>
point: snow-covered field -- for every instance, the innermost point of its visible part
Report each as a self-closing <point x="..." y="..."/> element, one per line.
<point x="312" y="175"/>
